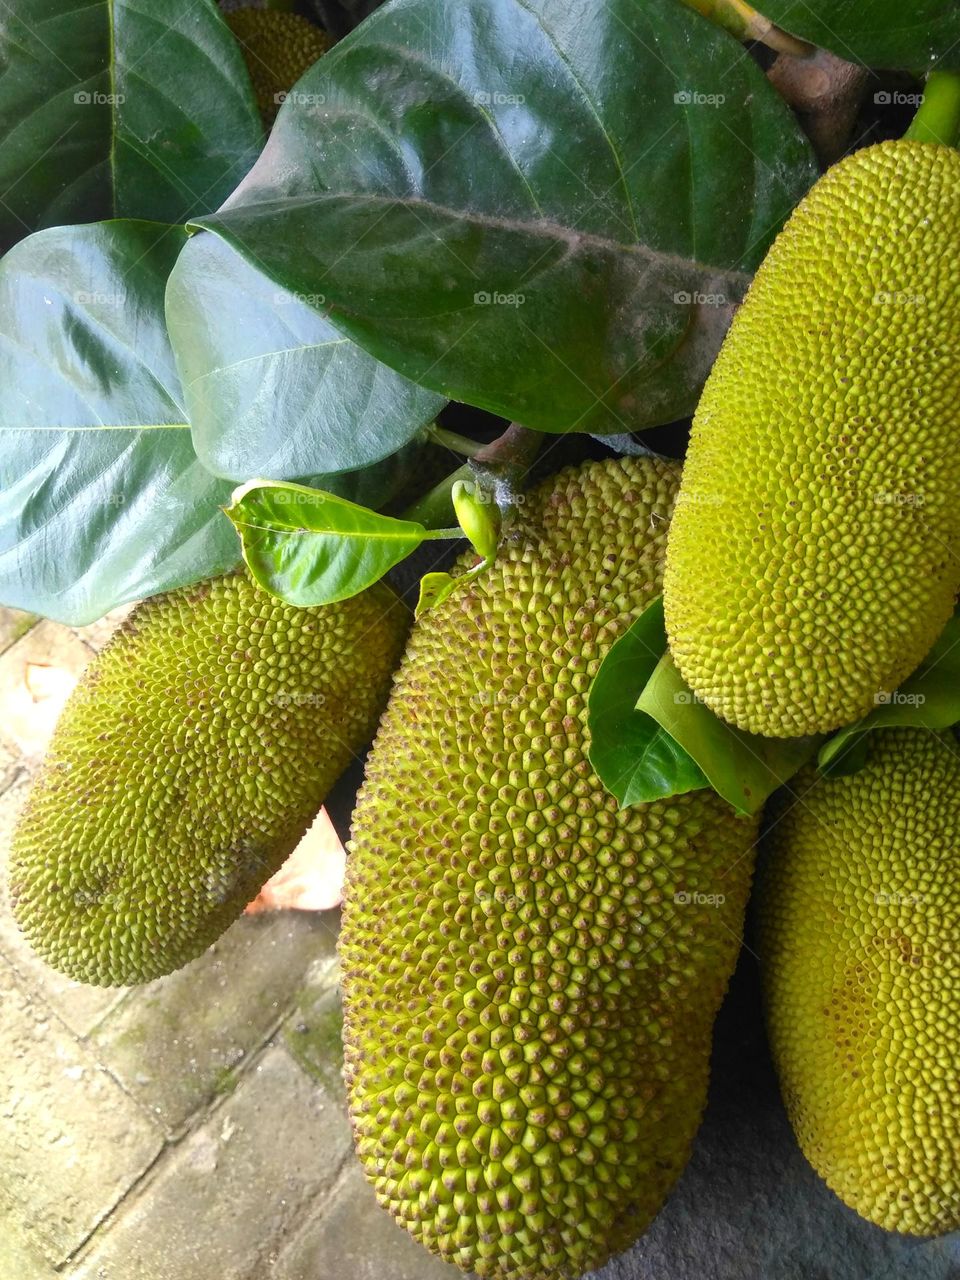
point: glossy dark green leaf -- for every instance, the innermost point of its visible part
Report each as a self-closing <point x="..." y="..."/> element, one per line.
<point x="743" y="768"/>
<point x="272" y="388"/>
<point x="131" y="108"/>
<point x="913" y="34"/>
<point x="542" y="208"/>
<point x="311" y="547"/>
<point x="102" y="497"/>
<point x="635" y="759"/>
<point x="930" y="699"/>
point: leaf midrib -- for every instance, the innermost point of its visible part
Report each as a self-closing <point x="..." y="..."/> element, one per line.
<point x="542" y="227"/>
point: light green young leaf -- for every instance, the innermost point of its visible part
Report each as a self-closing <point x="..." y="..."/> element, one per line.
<point x="434" y="589"/>
<point x="311" y="547"/>
<point x="744" y="768"/>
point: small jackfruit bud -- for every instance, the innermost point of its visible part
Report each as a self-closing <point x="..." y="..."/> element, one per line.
<point x="478" y="515"/>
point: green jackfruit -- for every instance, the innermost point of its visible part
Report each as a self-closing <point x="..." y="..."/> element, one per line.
<point x="531" y="975"/>
<point x="190" y="759"/>
<point x="859" y="929"/>
<point x="812" y="560"/>
<point x="278" y="49"/>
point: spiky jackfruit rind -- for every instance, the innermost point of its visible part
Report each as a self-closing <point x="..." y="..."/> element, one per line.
<point x="811" y="562"/>
<point x="187" y="764"/>
<point x="858" y="908"/>
<point x="278" y="49"/>
<point x="531" y="975"/>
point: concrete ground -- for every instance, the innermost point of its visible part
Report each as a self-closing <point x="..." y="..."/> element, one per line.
<point x="195" y="1128"/>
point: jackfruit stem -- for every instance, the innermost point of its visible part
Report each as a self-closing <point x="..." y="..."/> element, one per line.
<point x="508" y="459"/>
<point x="744" y="22"/>
<point x="938" y="116"/>
<point x="504" y="464"/>
<point x="453" y="441"/>
<point x="826" y="92"/>
<point x="435" y="509"/>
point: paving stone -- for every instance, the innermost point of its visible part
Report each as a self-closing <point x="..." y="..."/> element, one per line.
<point x="10" y="758"/>
<point x="72" y="1142"/>
<point x="37" y="675"/>
<point x="17" y="1260"/>
<point x="81" y="1007"/>
<point x="352" y="1238"/>
<point x="11" y="802"/>
<point x="313" y="1032"/>
<point x="177" y="1042"/>
<point x="225" y="1198"/>
<point x="14" y="623"/>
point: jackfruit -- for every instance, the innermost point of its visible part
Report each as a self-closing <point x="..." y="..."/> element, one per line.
<point x="531" y="975"/>
<point x="278" y="49"/>
<point x="859" y="928"/>
<point x="812" y="560"/>
<point x="188" y="762"/>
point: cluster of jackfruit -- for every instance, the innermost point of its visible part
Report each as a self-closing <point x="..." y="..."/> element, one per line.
<point x="278" y="48"/>
<point x="531" y="974"/>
